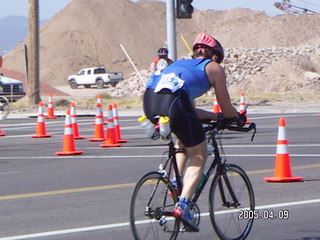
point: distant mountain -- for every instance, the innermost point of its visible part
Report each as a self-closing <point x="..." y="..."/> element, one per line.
<point x="13" y="29"/>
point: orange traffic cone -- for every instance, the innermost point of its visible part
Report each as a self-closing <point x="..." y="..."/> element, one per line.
<point x="2" y="133"/>
<point x="41" y="126"/>
<point x="69" y="147"/>
<point x="99" y="100"/>
<point x="74" y="122"/>
<point x="282" y="171"/>
<point x="50" y="108"/>
<point x="111" y="140"/>
<point x="216" y="107"/>
<point x="243" y="106"/>
<point x="98" y="127"/>
<point x="116" y="124"/>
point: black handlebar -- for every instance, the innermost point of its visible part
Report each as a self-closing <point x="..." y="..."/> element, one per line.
<point x="252" y="126"/>
<point x="242" y="129"/>
<point x="221" y="125"/>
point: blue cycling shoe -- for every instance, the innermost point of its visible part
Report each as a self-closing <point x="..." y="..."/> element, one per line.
<point x="182" y="211"/>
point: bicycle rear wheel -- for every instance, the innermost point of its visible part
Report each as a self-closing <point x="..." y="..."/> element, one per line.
<point x="151" y="209"/>
<point x="230" y="193"/>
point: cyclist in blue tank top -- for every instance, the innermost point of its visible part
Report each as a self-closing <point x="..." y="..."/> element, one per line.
<point x="172" y="94"/>
<point x="192" y="71"/>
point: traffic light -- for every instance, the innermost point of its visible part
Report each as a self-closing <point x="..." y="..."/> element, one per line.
<point x="184" y="8"/>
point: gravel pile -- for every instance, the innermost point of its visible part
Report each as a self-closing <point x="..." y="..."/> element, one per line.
<point x="244" y="63"/>
<point x="241" y="63"/>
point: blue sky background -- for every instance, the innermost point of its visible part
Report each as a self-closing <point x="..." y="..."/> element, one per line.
<point x="49" y="7"/>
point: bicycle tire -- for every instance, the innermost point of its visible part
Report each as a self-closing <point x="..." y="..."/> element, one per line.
<point x="225" y="217"/>
<point x="151" y="209"/>
<point x="4" y="107"/>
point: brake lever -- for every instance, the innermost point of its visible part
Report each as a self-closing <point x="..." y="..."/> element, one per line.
<point x="253" y="126"/>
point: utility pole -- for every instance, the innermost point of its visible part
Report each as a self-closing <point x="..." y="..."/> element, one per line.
<point x="33" y="53"/>
<point x="171" y="29"/>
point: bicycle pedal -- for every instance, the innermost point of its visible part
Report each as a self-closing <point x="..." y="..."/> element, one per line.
<point x="186" y="229"/>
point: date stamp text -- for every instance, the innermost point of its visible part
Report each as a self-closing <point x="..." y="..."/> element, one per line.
<point x="247" y="214"/>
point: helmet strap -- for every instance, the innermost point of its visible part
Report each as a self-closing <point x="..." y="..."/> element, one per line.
<point x="201" y="49"/>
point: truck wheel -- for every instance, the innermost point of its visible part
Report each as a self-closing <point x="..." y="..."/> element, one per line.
<point x="87" y="86"/>
<point x="73" y="84"/>
<point x="113" y="84"/>
<point x="100" y="83"/>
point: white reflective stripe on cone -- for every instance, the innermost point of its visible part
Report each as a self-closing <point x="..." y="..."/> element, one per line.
<point x="282" y="149"/>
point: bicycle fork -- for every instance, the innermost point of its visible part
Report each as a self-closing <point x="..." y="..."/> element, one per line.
<point x="225" y="178"/>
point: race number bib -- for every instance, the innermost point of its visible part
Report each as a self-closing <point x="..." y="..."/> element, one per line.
<point x="169" y="81"/>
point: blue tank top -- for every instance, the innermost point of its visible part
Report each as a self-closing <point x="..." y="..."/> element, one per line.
<point x="191" y="76"/>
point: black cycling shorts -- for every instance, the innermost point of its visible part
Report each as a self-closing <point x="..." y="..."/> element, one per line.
<point x="184" y="121"/>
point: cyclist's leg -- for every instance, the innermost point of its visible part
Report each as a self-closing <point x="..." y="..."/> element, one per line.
<point x="181" y="156"/>
<point x="197" y="159"/>
<point x="183" y="209"/>
<point x="188" y="129"/>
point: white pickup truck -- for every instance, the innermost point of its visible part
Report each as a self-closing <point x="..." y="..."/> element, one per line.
<point x="95" y="76"/>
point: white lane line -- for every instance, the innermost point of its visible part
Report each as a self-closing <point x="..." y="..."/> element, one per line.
<point x="224" y="146"/>
<point x="149" y="156"/>
<point x="126" y="224"/>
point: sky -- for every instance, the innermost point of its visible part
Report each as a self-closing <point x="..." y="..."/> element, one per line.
<point x="48" y="8"/>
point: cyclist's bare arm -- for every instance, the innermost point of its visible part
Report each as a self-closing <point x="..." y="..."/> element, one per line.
<point x="153" y="67"/>
<point x="205" y="115"/>
<point x="217" y="78"/>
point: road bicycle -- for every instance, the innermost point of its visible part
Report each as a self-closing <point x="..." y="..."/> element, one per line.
<point x="4" y="107"/>
<point x="231" y="192"/>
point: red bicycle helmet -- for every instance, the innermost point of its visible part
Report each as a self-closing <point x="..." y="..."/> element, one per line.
<point x="208" y="41"/>
<point x="163" y="52"/>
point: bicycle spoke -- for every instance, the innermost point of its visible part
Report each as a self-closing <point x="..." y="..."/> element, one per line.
<point x="151" y="210"/>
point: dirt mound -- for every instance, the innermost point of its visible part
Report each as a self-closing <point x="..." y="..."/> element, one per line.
<point x="88" y="33"/>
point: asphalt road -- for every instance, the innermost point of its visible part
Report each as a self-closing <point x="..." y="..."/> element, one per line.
<point x="44" y="196"/>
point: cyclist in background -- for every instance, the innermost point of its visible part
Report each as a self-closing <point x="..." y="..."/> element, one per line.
<point x="172" y="94"/>
<point x="161" y="62"/>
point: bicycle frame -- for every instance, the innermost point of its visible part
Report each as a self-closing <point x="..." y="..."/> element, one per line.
<point x="173" y="166"/>
<point x="216" y="162"/>
<point x="148" y="204"/>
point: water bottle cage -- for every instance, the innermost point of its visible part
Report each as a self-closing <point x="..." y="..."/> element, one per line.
<point x="166" y="138"/>
<point x="156" y="135"/>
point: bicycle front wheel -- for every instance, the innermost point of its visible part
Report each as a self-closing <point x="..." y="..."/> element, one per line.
<point x="230" y="196"/>
<point x="4" y="107"/>
<point x="151" y="209"/>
